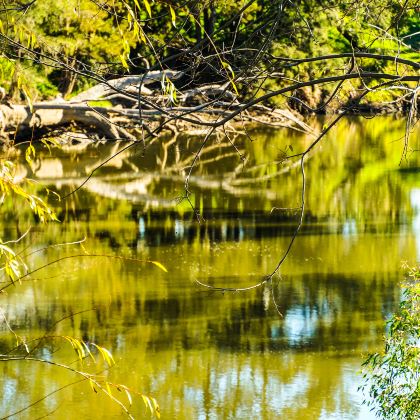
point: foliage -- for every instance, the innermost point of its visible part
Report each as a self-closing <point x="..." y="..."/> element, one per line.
<point x="10" y="185"/>
<point x="78" y="34"/>
<point x="13" y="269"/>
<point x="393" y="376"/>
<point x="63" y="45"/>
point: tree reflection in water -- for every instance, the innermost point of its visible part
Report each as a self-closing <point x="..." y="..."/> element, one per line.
<point x="212" y="355"/>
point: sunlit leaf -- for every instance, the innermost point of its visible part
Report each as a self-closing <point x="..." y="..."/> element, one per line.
<point x="147" y="403"/>
<point x="6" y="249"/>
<point x="161" y="266"/>
<point x="173" y="16"/>
<point x="130" y="400"/>
<point x="137" y="4"/>
<point x="92" y="385"/>
<point x="142" y="36"/>
<point x="156" y="407"/>
<point x="145" y="400"/>
<point x="108" y="388"/>
<point x="231" y="75"/>
<point x="54" y="193"/>
<point x="107" y="356"/>
<point x="89" y="353"/>
<point x="147" y="6"/>
<point x="124" y="62"/>
<point x="29" y="153"/>
<point x="79" y="348"/>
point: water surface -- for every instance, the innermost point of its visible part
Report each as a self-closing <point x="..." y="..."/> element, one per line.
<point x="289" y="351"/>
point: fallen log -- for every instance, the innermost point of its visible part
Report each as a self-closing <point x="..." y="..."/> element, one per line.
<point x="126" y="85"/>
<point x="24" y="118"/>
<point x="200" y="107"/>
<point x="118" y="123"/>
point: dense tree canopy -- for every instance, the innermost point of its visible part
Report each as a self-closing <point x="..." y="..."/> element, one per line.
<point x="253" y="46"/>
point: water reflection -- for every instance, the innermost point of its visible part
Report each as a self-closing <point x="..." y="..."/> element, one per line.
<point x="415" y="203"/>
<point x="292" y="351"/>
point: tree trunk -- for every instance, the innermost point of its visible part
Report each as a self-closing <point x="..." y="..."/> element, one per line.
<point x="21" y="118"/>
<point x="209" y="18"/>
<point x="70" y="78"/>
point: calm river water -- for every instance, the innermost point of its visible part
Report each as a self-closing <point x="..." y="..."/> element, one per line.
<point x="292" y="351"/>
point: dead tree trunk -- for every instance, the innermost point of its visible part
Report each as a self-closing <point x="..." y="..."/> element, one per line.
<point x="49" y="115"/>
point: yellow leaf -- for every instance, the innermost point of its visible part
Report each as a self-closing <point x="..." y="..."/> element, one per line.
<point x="124" y="62"/>
<point x="30" y="151"/>
<point x="108" y="357"/>
<point x="231" y="76"/>
<point x="156" y="407"/>
<point x="161" y="266"/>
<point x="106" y="354"/>
<point x="79" y="348"/>
<point x="129" y="396"/>
<point x="88" y="351"/>
<point x="92" y="385"/>
<point x="147" y="6"/>
<point x="5" y="249"/>
<point x="142" y="36"/>
<point x="147" y="403"/>
<point x="173" y="15"/>
<point x="108" y="388"/>
<point x="234" y="86"/>
<point x="47" y="145"/>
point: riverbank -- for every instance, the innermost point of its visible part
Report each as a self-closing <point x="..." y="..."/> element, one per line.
<point x="133" y="108"/>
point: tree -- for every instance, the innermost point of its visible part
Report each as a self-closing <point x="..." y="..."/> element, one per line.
<point x="229" y="56"/>
<point x="392" y="377"/>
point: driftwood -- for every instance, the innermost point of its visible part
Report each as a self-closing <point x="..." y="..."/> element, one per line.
<point x="124" y="85"/>
<point x="23" y="118"/>
<point x="196" y="108"/>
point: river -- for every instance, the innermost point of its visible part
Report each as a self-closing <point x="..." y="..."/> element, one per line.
<point x="290" y="349"/>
